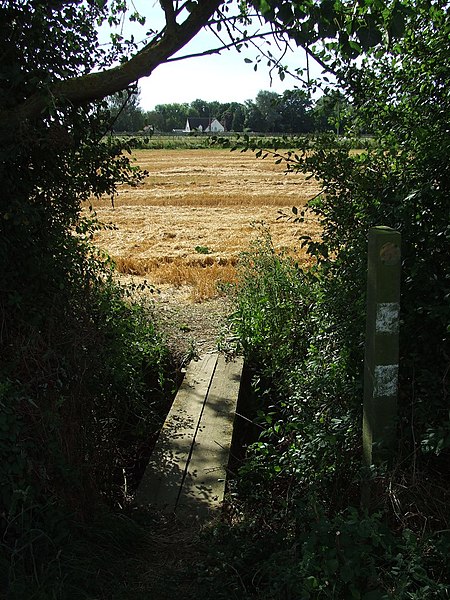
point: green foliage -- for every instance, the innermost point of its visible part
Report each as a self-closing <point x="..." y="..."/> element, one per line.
<point x="273" y="300"/>
<point x="126" y="114"/>
<point x="95" y="560"/>
<point x="297" y="528"/>
<point x="345" y="29"/>
<point x="202" y="249"/>
<point x="308" y="398"/>
<point x="83" y="373"/>
<point x="403" y="183"/>
<point x="315" y="556"/>
<point x="168" y="142"/>
<point x="92" y="391"/>
<point x="290" y="112"/>
<point x="173" y="115"/>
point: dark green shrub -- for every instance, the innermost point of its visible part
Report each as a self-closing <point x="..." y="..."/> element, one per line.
<point x="81" y="394"/>
<point x="273" y="299"/>
<point x="297" y="499"/>
<point x="83" y="373"/>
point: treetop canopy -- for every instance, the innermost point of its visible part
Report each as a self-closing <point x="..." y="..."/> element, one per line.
<point x="52" y="57"/>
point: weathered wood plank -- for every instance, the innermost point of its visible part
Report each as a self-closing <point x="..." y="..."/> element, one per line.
<point x="167" y="467"/>
<point x="204" y="486"/>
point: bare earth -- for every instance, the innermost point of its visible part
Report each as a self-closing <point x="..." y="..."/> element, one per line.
<point x="183" y="229"/>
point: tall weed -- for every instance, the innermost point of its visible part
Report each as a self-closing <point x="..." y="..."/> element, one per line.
<point x="273" y="299"/>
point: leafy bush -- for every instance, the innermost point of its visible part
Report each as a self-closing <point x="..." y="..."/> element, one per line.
<point x="298" y="531"/>
<point x="83" y="373"/>
<point x="273" y="299"/>
<point x="346" y="556"/>
<point x="81" y="395"/>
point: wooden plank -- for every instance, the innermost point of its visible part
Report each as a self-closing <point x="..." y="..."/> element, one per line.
<point x="167" y="467"/>
<point x="204" y="486"/>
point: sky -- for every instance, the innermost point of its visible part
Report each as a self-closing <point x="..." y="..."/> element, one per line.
<point x="225" y="77"/>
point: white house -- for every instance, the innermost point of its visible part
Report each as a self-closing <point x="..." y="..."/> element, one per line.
<point x="203" y="125"/>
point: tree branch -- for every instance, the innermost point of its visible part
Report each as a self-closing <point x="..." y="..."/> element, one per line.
<point x="219" y="49"/>
<point x="325" y="67"/>
<point x="169" y="11"/>
<point x="96" y="86"/>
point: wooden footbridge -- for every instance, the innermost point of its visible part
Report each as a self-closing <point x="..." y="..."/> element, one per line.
<point x="187" y="471"/>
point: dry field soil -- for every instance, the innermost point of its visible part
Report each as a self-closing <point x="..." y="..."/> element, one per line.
<point x="187" y="223"/>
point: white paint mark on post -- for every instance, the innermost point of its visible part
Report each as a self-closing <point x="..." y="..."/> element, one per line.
<point x="387" y="317"/>
<point x="386" y="377"/>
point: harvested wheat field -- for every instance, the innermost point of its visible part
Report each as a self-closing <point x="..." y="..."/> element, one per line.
<point x="187" y="223"/>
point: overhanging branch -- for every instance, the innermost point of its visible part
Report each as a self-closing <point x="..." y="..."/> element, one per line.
<point x="169" y="11"/>
<point x="96" y="86"/>
<point x="218" y="49"/>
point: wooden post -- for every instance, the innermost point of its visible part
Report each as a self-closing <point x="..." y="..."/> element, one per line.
<point x="381" y="352"/>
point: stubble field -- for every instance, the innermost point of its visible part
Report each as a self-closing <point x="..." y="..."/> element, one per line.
<point x="187" y="223"/>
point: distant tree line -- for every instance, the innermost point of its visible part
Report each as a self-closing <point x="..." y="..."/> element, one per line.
<point x="291" y="112"/>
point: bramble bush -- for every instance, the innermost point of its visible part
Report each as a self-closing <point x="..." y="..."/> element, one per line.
<point x="298" y="530"/>
<point x="84" y="375"/>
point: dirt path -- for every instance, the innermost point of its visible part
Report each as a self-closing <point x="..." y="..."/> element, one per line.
<point x="167" y="568"/>
<point x="190" y="328"/>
